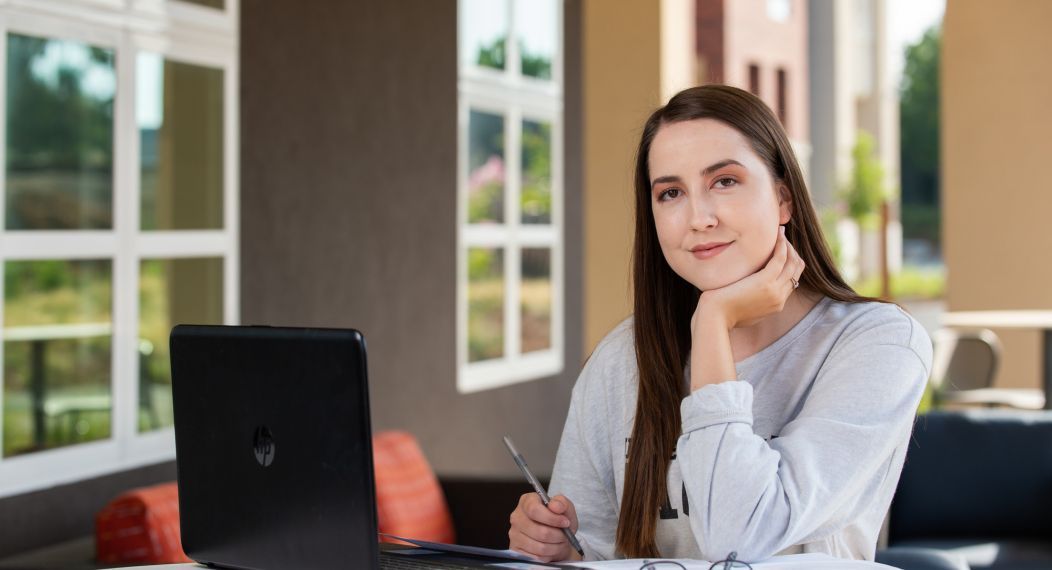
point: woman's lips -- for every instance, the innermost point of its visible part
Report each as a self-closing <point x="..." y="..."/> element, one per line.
<point x="710" y="253"/>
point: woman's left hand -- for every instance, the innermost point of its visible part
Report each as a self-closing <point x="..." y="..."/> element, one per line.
<point x="755" y="296"/>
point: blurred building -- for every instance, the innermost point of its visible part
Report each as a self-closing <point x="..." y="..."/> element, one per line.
<point x="760" y="45"/>
<point x="851" y="91"/>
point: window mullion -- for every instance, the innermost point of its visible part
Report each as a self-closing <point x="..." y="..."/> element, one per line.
<point x="231" y="200"/>
<point x="558" y="229"/>
<point x="3" y="214"/>
<point x="125" y="387"/>
<point x="512" y="217"/>
<point x="513" y="64"/>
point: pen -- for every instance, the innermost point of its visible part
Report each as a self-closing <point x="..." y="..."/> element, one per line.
<point x="521" y="462"/>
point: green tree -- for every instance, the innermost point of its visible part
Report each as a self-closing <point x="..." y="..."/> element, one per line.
<point x="919" y="128"/>
<point x="865" y="192"/>
<point x="492" y="55"/>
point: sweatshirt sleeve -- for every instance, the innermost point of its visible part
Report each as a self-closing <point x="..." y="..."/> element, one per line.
<point x="583" y="471"/>
<point x="821" y="472"/>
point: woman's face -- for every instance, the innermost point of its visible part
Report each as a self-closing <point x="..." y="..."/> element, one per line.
<point x="709" y="188"/>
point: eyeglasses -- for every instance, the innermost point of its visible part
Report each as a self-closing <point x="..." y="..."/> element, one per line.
<point x="731" y="563"/>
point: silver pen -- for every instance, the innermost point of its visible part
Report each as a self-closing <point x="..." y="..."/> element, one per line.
<point x="521" y="462"/>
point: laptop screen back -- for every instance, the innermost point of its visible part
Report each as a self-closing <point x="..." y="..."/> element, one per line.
<point x="273" y="447"/>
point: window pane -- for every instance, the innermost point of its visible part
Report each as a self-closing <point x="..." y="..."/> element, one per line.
<point x="171" y="291"/>
<point x="57" y="337"/>
<point x="536" y="173"/>
<point x="483" y="31"/>
<point x="485" y="304"/>
<point x="59" y="135"/>
<point x="220" y="4"/>
<point x="536" y="293"/>
<point x="485" y="168"/>
<point x="536" y="23"/>
<point x="180" y="117"/>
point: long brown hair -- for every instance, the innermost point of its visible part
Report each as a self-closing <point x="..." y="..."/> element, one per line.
<point x="664" y="301"/>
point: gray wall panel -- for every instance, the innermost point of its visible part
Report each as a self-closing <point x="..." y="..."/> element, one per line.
<point x="49" y="516"/>
<point x="348" y="209"/>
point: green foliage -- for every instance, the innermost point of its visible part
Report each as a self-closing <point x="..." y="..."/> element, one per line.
<point x="828" y="217"/>
<point x="483" y="263"/>
<point x="910" y="283"/>
<point x="926" y="404"/>
<point x="537" y="172"/>
<point x="487" y="203"/>
<point x="495" y="56"/>
<point x="865" y="192"/>
<point x="919" y="131"/>
<point x="492" y="55"/>
<point x="56" y="121"/>
<point x="57" y="292"/>
<point x="539" y="66"/>
<point x="919" y="117"/>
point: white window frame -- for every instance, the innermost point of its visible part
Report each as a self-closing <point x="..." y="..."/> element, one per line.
<point x="515" y="97"/>
<point x="178" y="32"/>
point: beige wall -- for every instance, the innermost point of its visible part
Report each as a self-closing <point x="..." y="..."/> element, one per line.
<point x="635" y="55"/>
<point x="622" y="85"/>
<point x="997" y="149"/>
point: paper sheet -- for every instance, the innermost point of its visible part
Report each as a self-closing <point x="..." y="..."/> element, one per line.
<point x="810" y="561"/>
<point x="460" y="549"/>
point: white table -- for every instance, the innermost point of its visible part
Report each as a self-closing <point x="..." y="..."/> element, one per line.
<point x="1034" y="320"/>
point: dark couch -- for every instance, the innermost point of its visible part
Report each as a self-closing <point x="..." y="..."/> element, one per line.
<point x="978" y="484"/>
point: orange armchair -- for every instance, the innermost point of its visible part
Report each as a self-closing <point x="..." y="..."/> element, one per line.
<point x="142" y="526"/>
<point x="409" y="500"/>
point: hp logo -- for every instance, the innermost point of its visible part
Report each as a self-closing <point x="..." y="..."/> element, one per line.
<point x="263" y="446"/>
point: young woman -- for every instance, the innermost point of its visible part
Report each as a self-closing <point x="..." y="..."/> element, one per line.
<point x="753" y="402"/>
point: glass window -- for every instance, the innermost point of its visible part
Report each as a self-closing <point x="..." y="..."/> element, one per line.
<point x="218" y="4"/>
<point x="59" y="165"/>
<point x="782" y="97"/>
<point x="779" y="10"/>
<point x="485" y="304"/>
<point x="536" y="305"/>
<point x="536" y="194"/>
<point x="486" y="168"/>
<point x="171" y="292"/>
<point x="180" y="117"/>
<point x="484" y="33"/>
<point x="537" y="25"/>
<point x="73" y="180"/>
<point x="509" y="284"/>
<point x="57" y="363"/>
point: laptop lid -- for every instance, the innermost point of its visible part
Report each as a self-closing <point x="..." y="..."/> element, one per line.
<point x="273" y="447"/>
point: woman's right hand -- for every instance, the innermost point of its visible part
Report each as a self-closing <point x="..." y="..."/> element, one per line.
<point x="537" y="530"/>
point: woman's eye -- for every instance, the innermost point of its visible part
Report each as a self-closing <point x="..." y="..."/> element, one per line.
<point x="726" y="182"/>
<point x="668" y="194"/>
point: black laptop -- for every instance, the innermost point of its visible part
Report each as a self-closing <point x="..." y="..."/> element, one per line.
<point x="274" y="452"/>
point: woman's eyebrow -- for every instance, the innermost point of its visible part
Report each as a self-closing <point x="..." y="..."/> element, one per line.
<point x="663" y="179"/>
<point x="707" y="171"/>
<point x="718" y="165"/>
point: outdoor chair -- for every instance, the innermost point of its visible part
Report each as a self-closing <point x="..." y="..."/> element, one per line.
<point x="964" y="366"/>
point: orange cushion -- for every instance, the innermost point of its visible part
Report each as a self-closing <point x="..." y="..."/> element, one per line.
<point x="409" y="500"/>
<point x="140" y="526"/>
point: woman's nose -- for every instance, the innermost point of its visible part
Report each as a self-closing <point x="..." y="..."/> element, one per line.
<point x="702" y="213"/>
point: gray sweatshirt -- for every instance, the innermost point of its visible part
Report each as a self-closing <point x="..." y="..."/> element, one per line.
<point x="801" y="453"/>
